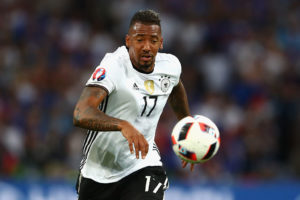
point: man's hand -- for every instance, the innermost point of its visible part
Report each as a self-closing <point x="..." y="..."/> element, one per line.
<point x="134" y="137"/>
<point x="184" y="164"/>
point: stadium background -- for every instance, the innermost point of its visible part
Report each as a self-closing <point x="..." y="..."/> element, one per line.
<point x="241" y="67"/>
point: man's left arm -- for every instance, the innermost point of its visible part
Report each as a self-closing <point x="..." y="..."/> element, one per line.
<point x="179" y="103"/>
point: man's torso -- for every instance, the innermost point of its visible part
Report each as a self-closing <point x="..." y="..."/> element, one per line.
<point x="136" y="97"/>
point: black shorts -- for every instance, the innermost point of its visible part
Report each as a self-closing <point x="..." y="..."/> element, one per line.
<point x="148" y="183"/>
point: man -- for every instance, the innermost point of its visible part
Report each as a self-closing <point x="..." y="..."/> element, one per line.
<point x="120" y="106"/>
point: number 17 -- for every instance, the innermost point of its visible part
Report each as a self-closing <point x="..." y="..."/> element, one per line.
<point x="145" y="106"/>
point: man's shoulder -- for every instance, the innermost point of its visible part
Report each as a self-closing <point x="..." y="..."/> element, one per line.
<point x="118" y="57"/>
<point x="167" y="63"/>
<point x="167" y="60"/>
<point x="167" y="57"/>
<point x="119" y="53"/>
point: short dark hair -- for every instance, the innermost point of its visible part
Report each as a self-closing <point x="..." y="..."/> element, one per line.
<point x="145" y="17"/>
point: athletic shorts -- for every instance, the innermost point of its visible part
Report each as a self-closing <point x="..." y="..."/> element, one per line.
<point x="148" y="183"/>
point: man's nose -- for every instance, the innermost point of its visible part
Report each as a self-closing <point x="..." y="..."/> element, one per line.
<point x="146" y="46"/>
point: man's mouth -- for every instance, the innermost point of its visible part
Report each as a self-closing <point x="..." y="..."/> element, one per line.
<point x="146" y="57"/>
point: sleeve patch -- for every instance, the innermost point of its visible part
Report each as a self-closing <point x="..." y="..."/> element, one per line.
<point x="99" y="74"/>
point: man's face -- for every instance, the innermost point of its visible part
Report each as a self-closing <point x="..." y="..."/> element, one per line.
<point x="143" y="42"/>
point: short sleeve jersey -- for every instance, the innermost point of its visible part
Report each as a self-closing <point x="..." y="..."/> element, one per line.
<point x="136" y="97"/>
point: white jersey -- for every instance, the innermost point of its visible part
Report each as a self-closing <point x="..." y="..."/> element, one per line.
<point x="136" y="97"/>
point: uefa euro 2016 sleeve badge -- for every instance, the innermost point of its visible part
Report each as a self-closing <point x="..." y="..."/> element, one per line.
<point x="165" y="83"/>
<point x="99" y="74"/>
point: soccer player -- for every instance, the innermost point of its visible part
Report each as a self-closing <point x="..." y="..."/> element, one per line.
<point x="120" y="106"/>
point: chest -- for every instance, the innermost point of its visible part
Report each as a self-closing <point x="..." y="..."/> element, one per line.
<point x="145" y="95"/>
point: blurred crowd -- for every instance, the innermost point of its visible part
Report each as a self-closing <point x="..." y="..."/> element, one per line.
<point x="241" y="68"/>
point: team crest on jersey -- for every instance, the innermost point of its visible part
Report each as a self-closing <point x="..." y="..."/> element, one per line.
<point x="99" y="74"/>
<point x="165" y="83"/>
<point x="149" y="86"/>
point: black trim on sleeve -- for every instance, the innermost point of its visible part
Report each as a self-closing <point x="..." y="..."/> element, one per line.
<point x="105" y="105"/>
<point x="100" y="86"/>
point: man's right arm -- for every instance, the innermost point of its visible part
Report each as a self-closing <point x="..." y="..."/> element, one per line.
<point x="87" y="115"/>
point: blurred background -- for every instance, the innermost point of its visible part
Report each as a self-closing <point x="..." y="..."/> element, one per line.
<point x="241" y="68"/>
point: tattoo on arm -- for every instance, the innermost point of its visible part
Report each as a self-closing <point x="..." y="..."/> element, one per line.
<point x="87" y="114"/>
<point x="95" y="119"/>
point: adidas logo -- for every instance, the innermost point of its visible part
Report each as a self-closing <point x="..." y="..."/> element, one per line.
<point x="135" y="86"/>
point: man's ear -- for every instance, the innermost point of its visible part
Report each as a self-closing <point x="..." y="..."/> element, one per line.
<point x="127" y="40"/>
<point x="161" y="44"/>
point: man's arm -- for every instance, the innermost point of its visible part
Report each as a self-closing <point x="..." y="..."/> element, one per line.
<point x="179" y="102"/>
<point x="87" y="115"/>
